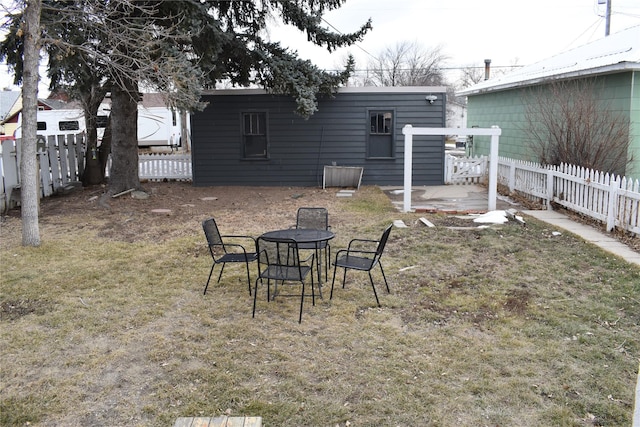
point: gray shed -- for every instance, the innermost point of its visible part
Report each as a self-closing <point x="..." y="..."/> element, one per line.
<point x="250" y="137"/>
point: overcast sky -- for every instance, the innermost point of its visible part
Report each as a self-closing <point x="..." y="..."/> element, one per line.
<point x="470" y="31"/>
<point x="506" y="31"/>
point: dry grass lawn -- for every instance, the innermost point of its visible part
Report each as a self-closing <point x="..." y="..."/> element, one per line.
<point x="105" y="324"/>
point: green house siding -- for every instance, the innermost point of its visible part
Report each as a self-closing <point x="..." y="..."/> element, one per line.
<point x="507" y="110"/>
<point x="634" y="132"/>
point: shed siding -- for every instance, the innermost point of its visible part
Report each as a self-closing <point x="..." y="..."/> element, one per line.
<point x="299" y="149"/>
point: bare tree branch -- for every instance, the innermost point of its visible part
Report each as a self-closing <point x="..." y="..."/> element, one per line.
<point x="407" y="64"/>
<point x="569" y="122"/>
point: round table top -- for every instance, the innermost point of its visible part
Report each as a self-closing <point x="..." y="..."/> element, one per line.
<point x="299" y="235"/>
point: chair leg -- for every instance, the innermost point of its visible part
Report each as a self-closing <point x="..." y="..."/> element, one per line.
<point x="318" y="264"/>
<point x="313" y="293"/>
<point x="319" y="286"/>
<point x="221" y="270"/>
<point x="335" y="268"/>
<point x="374" y="288"/>
<point x="248" y="277"/>
<point x="255" y="294"/>
<point x="344" y="278"/>
<point x="385" y="278"/>
<point x="327" y="257"/>
<point x="302" y="299"/>
<point x="209" y="279"/>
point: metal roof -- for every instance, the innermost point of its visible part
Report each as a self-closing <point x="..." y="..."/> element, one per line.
<point x="618" y="52"/>
<point x="354" y="89"/>
<point x="7" y="101"/>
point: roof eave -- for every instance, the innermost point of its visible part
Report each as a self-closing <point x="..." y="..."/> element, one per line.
<point x="592" y="72"/>
<point x="354" y="89"/>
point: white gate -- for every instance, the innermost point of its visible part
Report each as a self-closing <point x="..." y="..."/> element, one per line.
<point x="408" y="132"/>
<point x="465" y="170"/>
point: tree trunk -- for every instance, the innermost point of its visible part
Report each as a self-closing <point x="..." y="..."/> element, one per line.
<point x="93" y="170"/>
<point x="185" y="138"/>
<point x="124" y="139"/>
<point x="28" y="162"/>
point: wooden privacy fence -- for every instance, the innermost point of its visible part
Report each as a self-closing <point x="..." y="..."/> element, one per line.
<point x="610" y="199"/>
<point x="61" y="159"/>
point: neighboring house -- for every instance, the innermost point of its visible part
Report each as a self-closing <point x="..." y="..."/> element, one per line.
<point x="250" y="137"/>
<point x="614" y="60"/>
<point x="456" y="113"/>
<point x="10" y="103"/>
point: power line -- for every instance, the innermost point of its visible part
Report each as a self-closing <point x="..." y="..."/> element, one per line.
<point x="356" y="44"/>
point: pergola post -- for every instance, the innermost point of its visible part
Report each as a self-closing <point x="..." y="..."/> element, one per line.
<point x="408" y="132"/>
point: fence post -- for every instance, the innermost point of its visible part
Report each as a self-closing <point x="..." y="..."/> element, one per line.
<point x="493" y="169"/>
<point x="612" y="210"/>
<point x="45" y="175"/>
<point x="447" y="169"/>
<point x="11" y="175"/>
<point x="550" y="180"/>
<point x="408" y="162"/>
<point x="512" y="176"/>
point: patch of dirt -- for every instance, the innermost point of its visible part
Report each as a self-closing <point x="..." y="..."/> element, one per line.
<point x="12" y="310"/>
<point x="130" y="219"/>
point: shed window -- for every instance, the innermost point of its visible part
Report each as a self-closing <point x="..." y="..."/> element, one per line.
<point x="254" y="135"/>
<point x="380" y="138"/>
<point x="42" y="125"/>
<point x="69" y="125"/>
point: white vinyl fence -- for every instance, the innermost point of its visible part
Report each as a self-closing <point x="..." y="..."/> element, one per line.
<point x="160" y="166"/>
<point x="61" y="159"/>
<point x="612" y="200"/>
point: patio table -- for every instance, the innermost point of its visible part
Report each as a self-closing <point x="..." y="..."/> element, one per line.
<point x="301" y="235"/>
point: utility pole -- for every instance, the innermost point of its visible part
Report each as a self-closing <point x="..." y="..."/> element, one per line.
<point x="607" y="26"/>
<point x="607" y="15"/>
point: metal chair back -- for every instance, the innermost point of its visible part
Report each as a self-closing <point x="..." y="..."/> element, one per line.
<point x="315" y="218"/>
<point x="231" y="252"/>
<point x="280" y="261"/>
<point x="212" y="233"/>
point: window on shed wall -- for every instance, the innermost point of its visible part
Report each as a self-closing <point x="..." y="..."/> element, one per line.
<point x="380" y="143"/>
<point x="254" y="135"/>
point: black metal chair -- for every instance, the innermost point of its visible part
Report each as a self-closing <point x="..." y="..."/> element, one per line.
<point x="361" y="255"/>
<point x="280" y="261"/>
<point x="317" y="219"/>
<point x="229" y="252"/>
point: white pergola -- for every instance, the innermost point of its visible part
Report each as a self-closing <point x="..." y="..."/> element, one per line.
<point x="494" y="132"/>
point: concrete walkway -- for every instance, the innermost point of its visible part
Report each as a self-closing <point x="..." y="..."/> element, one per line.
<point x="587" y="233"/>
